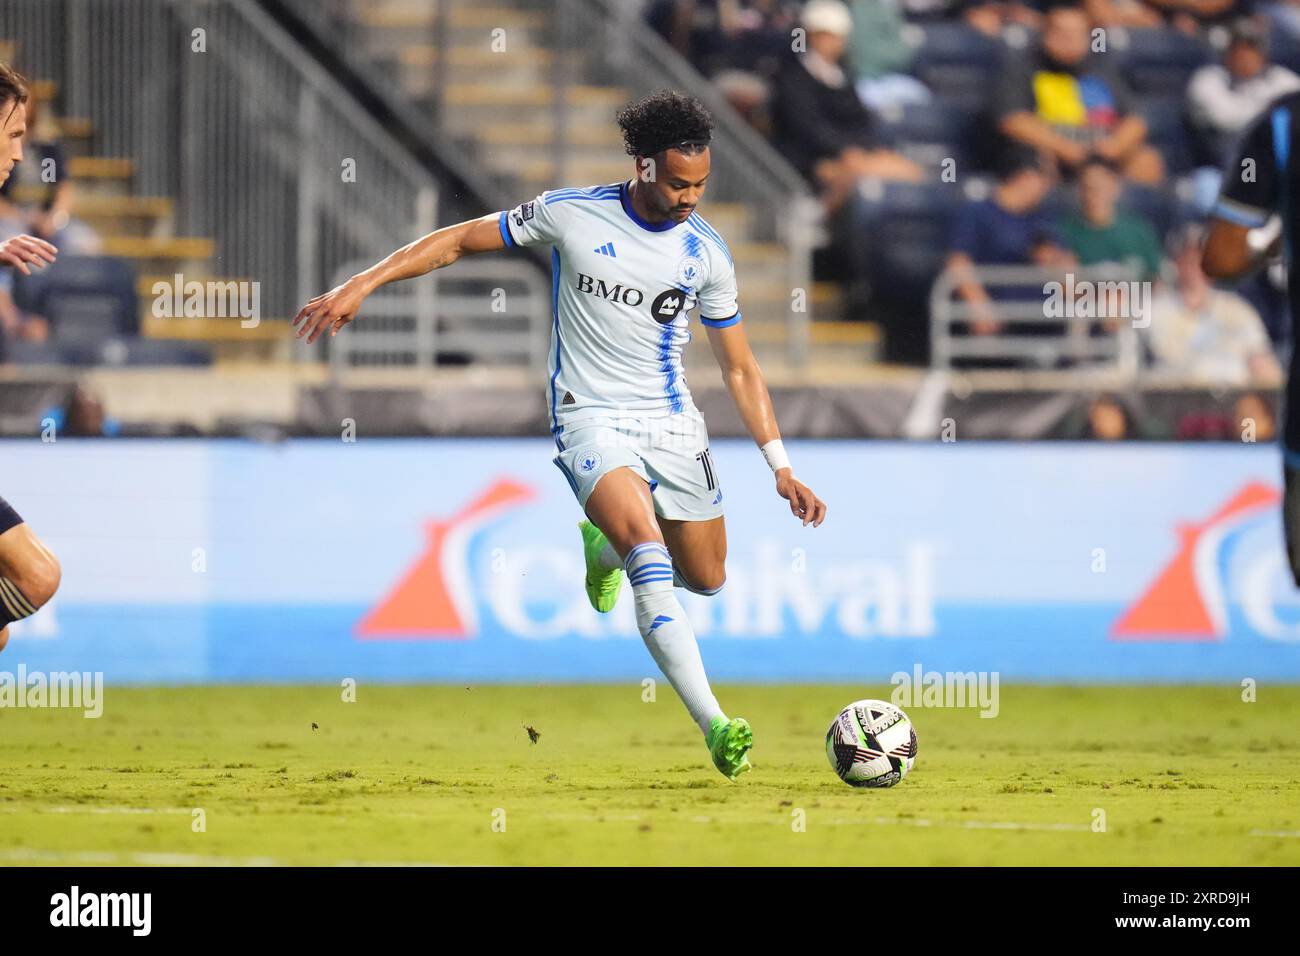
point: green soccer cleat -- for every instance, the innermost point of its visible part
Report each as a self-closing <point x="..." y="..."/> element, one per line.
<point x="602" y="586"/>
<point x="729" y="742"/>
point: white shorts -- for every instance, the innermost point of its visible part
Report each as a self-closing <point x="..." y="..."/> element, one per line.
<point x="670" y="452"/>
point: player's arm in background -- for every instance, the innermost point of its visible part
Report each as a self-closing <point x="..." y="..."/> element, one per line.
<point x="529" y="224"/>
<point x="438" y="249"/>
<point x="1237" y="242"/>
<point x="744" y="380"/>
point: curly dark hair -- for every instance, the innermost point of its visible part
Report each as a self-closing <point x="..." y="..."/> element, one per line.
<point x="664" y="120"/>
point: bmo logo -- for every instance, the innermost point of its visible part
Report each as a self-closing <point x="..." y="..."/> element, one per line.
<point x="614" y="293"/>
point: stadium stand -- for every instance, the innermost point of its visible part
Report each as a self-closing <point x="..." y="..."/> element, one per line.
<point x="446" y="127"/>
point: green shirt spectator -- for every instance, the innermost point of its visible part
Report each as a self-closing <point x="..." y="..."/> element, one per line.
<point x="876" y="45"/>
<point x="1126" y="239"/>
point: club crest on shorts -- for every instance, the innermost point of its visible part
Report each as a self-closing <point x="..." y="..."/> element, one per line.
<point x="589" y="462"/>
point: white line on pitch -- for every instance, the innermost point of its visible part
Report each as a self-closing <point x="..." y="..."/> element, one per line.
<point x="1275" y="833"/>
<point x="25" y="855"/>
<point x="95" y="809"/>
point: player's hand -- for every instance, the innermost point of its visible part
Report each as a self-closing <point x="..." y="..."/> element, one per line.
<point x="333" y="310"/>
<point x="22" y="250"/>
<point x="803" y="503"/>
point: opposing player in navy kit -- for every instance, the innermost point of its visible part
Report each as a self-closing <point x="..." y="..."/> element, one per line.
<point x="1256" y="217"/>
<point x="629" y="262"/>
<point x="29" y="573"/>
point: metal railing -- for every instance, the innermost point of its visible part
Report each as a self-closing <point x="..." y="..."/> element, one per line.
<point x="216" y="106"/>
<point x="603" y="43"/>
<point x="1044" y="316"/>
<point x="476" y="310"/>
<point x="620" y="48"/>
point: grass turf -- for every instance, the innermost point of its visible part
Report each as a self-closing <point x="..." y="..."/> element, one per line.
<point x="1184" y="775"/>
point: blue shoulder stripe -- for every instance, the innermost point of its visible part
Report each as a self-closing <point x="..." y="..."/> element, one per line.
<point x="592" y="193"/>
<point x="704" y="229"/>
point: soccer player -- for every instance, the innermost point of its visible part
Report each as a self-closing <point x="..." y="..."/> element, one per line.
<point x="629" y="262"/>
<point x="29" y="573"/>
<point x="1259" y="181"/>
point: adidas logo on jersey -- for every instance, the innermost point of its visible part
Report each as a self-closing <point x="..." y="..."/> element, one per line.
<point x="606" y="250"/>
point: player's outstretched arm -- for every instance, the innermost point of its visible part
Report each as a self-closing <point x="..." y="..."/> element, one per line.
<point x="744" y="380"/>
<point x="1229" y="253"/>
<point x="339" y="306"/>
<point x="22" y="250"/>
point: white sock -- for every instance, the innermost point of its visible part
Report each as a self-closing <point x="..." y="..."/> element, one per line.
<point x="667" y="631"/>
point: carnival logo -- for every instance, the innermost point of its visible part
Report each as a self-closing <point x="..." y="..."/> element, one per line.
<point x="434" y="600"/>
<point x="1186" y="602"/>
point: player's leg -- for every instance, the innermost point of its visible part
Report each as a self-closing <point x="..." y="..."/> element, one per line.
<point x="699" y="550"/>
<point x="1291" y="517"/>
<point x="688" y="507"/>
<point x="1290" y="442"/>
<point x="620" y="505"/>
<point x="29" y="573"/>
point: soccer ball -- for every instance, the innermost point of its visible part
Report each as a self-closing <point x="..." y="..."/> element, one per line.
<point x="871" y="744"/>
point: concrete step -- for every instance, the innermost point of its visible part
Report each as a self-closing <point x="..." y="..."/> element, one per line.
<point x="416" y="69"/>
<point x="76" y="135"/>
<point x="184" y="254"/>
<point x="414" y="16"/>
<point x="384" y="32"/>
<point x="578" y="96"/>
<point x="125" y="215"/>
<point x="604" y="134"/>
<point x="102" y="175"/>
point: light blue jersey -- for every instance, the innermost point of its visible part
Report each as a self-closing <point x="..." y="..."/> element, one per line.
<point x="622" y="291"/>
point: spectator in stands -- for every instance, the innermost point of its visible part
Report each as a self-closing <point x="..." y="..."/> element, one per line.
<point x="881" y="57"/>
<point x="1205" y="332"/>
<point x="818" y="121"/>
<point x="1108" y="420"/>
<point x="1283" y="15"/>
<point x="16" y="325"/>
<point x="1190" y="16"/>
<point x="1253" y="413"/>
<point x="739" y="44"/>
<point x="1223" y="97"/>
<point x="1009" y="228"/>
<point x="1100" y="232"/>
<point x="1071" y="105"/>
<point x="1122" y="13"/>
<point x="724" y="35"/>
<point x="922" y="11"/>
<point x="991" y="17"/>
<point x="47" y="212"/>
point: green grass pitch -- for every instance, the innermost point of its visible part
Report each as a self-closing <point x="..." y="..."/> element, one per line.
<point x="429" y="774"/>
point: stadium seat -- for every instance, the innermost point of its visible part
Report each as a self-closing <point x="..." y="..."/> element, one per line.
<point x="1167" y="131"/>
<point x="900" y="244"/>
<point x="1156" y="206"/>
<point x="1160" y="62"/>
<point x="928" y="133"/>
<point x="87" y="300"/>
<point x="129" y="351"/>
<point x="958" y="63"/>
<point x="1284" y="48"/>
<point x="33" y="353"/>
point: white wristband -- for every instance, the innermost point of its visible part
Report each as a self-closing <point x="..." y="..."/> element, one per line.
<point x="774" y="453"/>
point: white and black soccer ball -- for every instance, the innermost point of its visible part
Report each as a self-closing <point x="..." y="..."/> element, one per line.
<point x="871" y="743"/>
